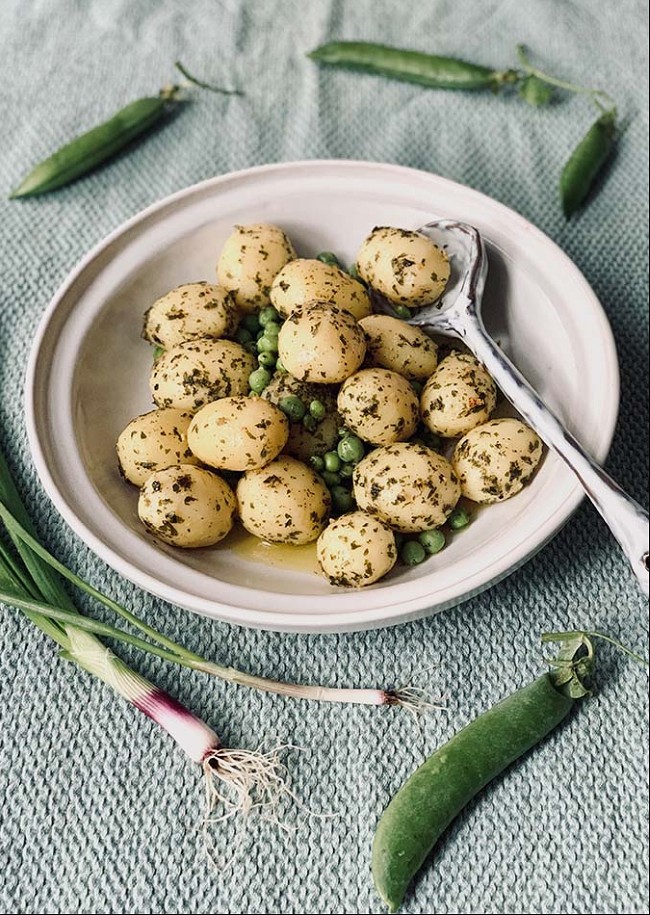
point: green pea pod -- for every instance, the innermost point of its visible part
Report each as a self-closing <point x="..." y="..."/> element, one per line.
<point x="436" y="792"/>
<point x="410" y="66"/>
<point x="587" y="159"/>
<point x="90" y="149"/>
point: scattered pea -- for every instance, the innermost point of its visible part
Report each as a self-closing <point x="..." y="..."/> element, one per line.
<point x="271" y="330"/>
<point x="317" y="463"/>
<point x="401" y="311"/>
<point x="342" y="432"/>
<point x="431" y="440"/>
<point x="251" y="323"/>
<point x="432" y="541"/>
<point x="259" y="334"/>
<point x="346" y="470"/>
<point x="458" y="519"/>
<point x="350" y="449"/>
<point x="251" y="346"/>
<point x="267" y="360"/>
<point x="331" y="478"/>
<point x="279" y="367"/>
<point x="417" y="387"/>
<point x="293" y="408"/>
<point x="259" y="379"/>
<point x="157" y="352"/>
<point x="268" y="315"/>
<point x="309" y="422"/>
<point x="342" y="499"/>
<point x="332" y="461"/>
<point x="354" y="272"/>
<point x="317" y="410"/>
<point x="267" y="344"/>
<point x="412" y="553"/>
<point x="243" y="335"/>
<point x="328" y="257"/>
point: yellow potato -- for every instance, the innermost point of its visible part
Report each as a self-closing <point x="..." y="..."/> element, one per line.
<point x="187" y="506"/>
<point x="284" y="502"/>
<point x="379" y="405"/>
<point x="190" y="311"/>
<point x="356" y="550"/>
<point x="322" y="344"/>
<point x="393" y="344"/>
<point x="459" y="396"/>
<point x="152" y="442"/>
<point x="494" y="461"/>
<point x="195" y="372"/>
<point x="405" y="267"/>
<point x="249" y="261"/>
<point x="238" y="433"/>
<point x="303" y="281"/>
<point x="409" y="487"/>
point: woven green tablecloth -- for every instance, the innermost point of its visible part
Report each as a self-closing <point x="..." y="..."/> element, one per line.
<point x="99" y="811"/>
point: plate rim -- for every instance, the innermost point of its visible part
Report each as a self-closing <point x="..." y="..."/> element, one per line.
<point x="328" y="621"/>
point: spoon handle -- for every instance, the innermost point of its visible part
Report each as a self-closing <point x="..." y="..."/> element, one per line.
<point x="627" y="520"/>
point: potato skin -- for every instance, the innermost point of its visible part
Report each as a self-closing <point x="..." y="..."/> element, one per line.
<point x="459" y="396"/>
<point x="322" y="344"/>
<point x="379" y="405"/>
<point x="284" y="502"/>
<point x="408" y="486"/>
<point x="238" y="433"/>
<point x="187" y="506"/>
<point x="190" y="311"/>
<point x="153" y="441"/>
<point x="303" y="443"/>
<point x="356" y="550"/>
<point x="302" y="281"/>
<point x="495" y="460"/>
<point x="195" y="372"/>
<point x="393" y="344"/>
<point x="405" y="267"/>
<point x="249" y="261"/>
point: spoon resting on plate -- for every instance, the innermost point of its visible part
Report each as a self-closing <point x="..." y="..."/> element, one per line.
<point x="458" y="313"/>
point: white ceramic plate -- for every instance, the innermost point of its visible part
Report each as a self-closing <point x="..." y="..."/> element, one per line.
<point x="88" y="373"/>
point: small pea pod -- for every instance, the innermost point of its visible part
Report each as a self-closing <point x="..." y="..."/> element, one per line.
<point x="587" y="159"/>
<point x="436" y="792"/>
<point x="429" y="70"/>
<point x="90" y="149"/>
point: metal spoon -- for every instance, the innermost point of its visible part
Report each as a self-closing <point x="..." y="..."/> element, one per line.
<point x="458" y="313"/>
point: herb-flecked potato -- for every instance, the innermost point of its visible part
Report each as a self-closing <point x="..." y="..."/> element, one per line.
<point x="238" y="433"/>
<point x="249" y="261"/>
<point x="284" y="502"/>
<point x="187" y="506"/>
<point x="408" y="486"/>
<point x="303" y="442"/>
<point x="321" y="343"/>
<point x="302" y="281"/>
<point x="393" y="344"/>
<point x="356" y="550"/>
<point x="459" y="396"/>
<point x="152" y="442"/>
<point x="379" y="405"/>
<point x="190" y="311"/>
<point x="495" y="460"/>
<point x="405" y="267"/>
<point x="195" y="372"/>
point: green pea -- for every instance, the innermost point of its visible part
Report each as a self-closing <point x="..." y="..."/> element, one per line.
<point x="342" y="500"/>
<point x="279" y="367"/>
<point x="243" y="335"/>
<point x="458" y="519"/>
<point x="293" y="407"/>
<point x="271" y="330"/>
<point x="251" y="323"/>
<point x="309" y="423"/>
<point x="251" y="347"/>
<point x="317" y="463"/>
<point x="353" y="270"/>
<point x="346" y="470"/>
<point x="267" y="360"/>
<point x="328" y="257"/>
<point x="267" y="344"/>
<point x="259" y="379"/>
<point x="342" y="432"/>
<point x="412" y="553"/>
<point x="431" y="440"/>
<point x="267" y="315"/>
<point x="432" y="541"/>
<point x="259" y="334"/>
<point x="332" y="461"/>
<point x="417" y="387"/>
<point x="317" y="410"/>
<point x="331" y="478"/>
<point x="157" y="352"/>
<point x="350" y="449"/>
<point x="401" y="311"/>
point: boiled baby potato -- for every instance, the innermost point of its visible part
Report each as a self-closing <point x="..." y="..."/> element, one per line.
<point x="238" y="433"/>
<point x="393" y="344"/>
<point x="193" y="373"/>
<point x="356" y="550"/>
<point x="321" y="343"/>
<point x="190" y="311"/>
<point x="249" y="261"/>
<point x="304" y="442"/>
<point x="408" y="486"/>
<point x="284" y="502"/>
<point x="495" y="460"/>
<point x="459" y="396"/>
<point x="187" y="506"/>
<point x="303" y="281"/>
<point x="380" y="406"/>
<point x="152" y="442"/>
<point x="405" y="267"/>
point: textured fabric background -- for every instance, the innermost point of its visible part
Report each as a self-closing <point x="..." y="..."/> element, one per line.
<point x="99" y="810"/>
